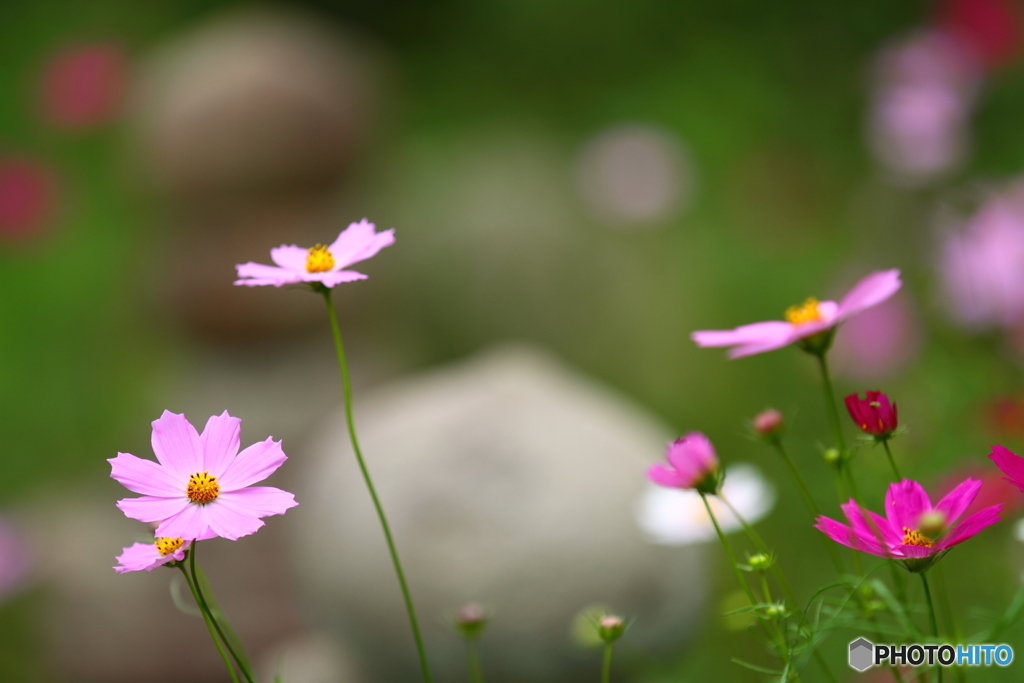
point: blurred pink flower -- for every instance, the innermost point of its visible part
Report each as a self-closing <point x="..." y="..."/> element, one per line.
<point x="803" y="321"/>
<point x="991" y="29"/>
<point x="982" y="267"/>
<point x="15" y="559"/>
<point x="27" y="197"/>
<point x="691" y="461"/>
<point x="149" y="556"/>
<point x="995" y="488"/>
<point x="83" y="87"/>
<point x="923" y="94"/>
<point x="878" y="342"/>
<point x="320" y="264"/>
<point x="913" y="530"/>
<point x="202" y="485"/>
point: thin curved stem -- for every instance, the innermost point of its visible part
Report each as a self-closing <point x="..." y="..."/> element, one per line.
<point x="204" y="606"/>
<point x="606" y="667"/>
<point x="931" y="614"/>
<point x="347" y="389"/>
<point x="892" y="460"/>
<point x="837" y="428"/>
<point x="209" y="624"/>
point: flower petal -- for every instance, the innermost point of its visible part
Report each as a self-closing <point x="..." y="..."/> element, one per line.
<point x="261" y="501"/>
<point x="255" y="463"/>
<point x="177" y="446"/>
<point x="290" y="257"/>
<point x="915" y="551"/>
<point x="663" y="476"/>
<point x="971" y="526"/>
<point x="358" y="242"/>
<point x="139" y="556"/>
<point x="870" y="291"/>
<point x="840" y="533"/>
<point x="255" y="274"/>
<point x="153" y="509"/>
<point x="1010" y="463"/>
<point x="145" y="476"/>
<point x="905" y="502"/>
<point x="959" y="499"/>
<point x="231" y="522"/>
<point x="220" y="441"/>
<point x="769" y="332"/>
<point x="868" y="525"/>
<point x="330" y="279"/>
<point x="190" y="523"/>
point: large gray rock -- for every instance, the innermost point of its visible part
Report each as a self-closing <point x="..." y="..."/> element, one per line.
<point x="508" y="479"/>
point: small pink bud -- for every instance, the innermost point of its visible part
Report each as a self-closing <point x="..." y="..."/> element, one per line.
<point x="768" y="422"/>
<point x="471" y="620"/>
<point x="610" y="628"/>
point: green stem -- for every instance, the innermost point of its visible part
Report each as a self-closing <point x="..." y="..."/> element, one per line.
<point x="837" y="428"/>
<point x="812" y="507"/>
<point x="606" y="667"/>
<point x="892" y="461"/>
<point x="931" y="613"/>
<point x="476" y="670"/>
<point x="347" y="388"/>
<point x="204" y="606"/>
<point x="209" y="623"/>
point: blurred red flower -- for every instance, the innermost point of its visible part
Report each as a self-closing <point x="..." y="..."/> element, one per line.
<point x="27" y="197"/>
<point x="82" y="87"/>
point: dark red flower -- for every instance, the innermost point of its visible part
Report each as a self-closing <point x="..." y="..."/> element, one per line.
<point x="874" y="414"/>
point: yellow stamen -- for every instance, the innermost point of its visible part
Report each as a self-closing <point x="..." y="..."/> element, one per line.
<point x="166" y="546"/>
<point x="202" y="488"/>
<point x="319" y="260"/>
<point x="807" y="312"/>
<point x="915" y="537"/>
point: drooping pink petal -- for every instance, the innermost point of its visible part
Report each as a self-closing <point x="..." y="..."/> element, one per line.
<point x="230" y="521"/>
<point x="220" y="440"/>
<point x="768" y="332"/>
<point x="145" y="556"/>
<point x="905" y="502"/>
<point x="870" y="291"/>
<point x="959" y="499"/>
<point x="762" y="347"/>
<point x="290" y="257"/>
<point x="1010" y="463"/>
<point x="176" y="444"/>
<point x="154" y="509"/>
<point x="254" y="464"/>
<point x="144" y="476"/>
<point x="191" y="522"/>
<point x="971" y="526"/>
<point x="841" y="533"/>
<point x="255" y="274"/>
<point x="663" y="476"/>
<point x="259" y="500"/>
<point x="358" y="242"/>
<point x="336" y="277"/>
<point x="915" y="551"/>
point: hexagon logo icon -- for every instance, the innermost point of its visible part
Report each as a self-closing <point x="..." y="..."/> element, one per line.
<point x="862" y="654"/>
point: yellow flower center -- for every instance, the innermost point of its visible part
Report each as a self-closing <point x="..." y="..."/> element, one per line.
<point x="807" y="312"/>
<point x="915" y="537"/>
<point x="319" y="260"/>
<point x="165" y="546"/>
<point x="202" y="488"/>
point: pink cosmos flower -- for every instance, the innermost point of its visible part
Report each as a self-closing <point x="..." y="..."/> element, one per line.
<point x="202" y="484"/>
<point x="692" y="462"/>
<point x="321" y="264"/>
<point x="1010" y="463"/>
<point x="803" y="321"/>
<point x="913" y="530"/>
<point x="149" y="556"/>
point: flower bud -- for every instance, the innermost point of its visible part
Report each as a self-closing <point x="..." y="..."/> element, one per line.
<point x="832" y="456"/>
<point x="768" y="423"/>
<point x="760" y="562"/>
<point x="776" y="611"/>
<point x="610" y="628"/>
<point x="874" y="414"/>
<point x="932" y="523"/>
<point x="471" y="620"/>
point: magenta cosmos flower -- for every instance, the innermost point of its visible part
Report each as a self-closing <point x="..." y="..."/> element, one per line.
<point x="149" y="556"/>
<point x="874" y="414"/>
<point x="202" y="486"/>
<point x="1010" y="463"/>
<point x="692" y="464"/>
<point x="803" y="321"/>
<point x="321" y="264"/>
<point x="912" y="531"/>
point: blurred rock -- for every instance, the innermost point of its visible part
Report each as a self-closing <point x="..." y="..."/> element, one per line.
<point x="507" y="479"/>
